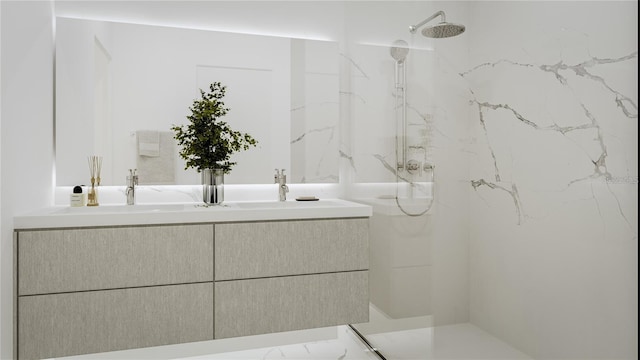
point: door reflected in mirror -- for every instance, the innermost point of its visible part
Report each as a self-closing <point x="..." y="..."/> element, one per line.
<point x="116" y="81"/>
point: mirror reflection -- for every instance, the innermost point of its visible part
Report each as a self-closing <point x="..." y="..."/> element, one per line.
<point x="120" y="87"/>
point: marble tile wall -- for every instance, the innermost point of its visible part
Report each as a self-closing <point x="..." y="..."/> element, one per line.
<point x="315" y="108"/>
<point x="534" y="136"/>
<point x="553" y="227"/>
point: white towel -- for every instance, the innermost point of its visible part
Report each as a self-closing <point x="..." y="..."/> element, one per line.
<point x="148" y="143"/>
<point x="159" y="170"/>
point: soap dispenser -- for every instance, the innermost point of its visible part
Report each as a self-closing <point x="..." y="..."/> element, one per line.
<point x="77" y="198"/>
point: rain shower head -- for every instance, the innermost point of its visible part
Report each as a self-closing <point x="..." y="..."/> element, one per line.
<point x="443" y="30"/>
<point x="440" y="30"/>
<point x="399" y="50"/>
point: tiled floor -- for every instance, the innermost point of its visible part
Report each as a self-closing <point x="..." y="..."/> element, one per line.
<point x="345" y="347"/>
<point x="396" y="339"/>
<point x="452" y="342"/>
<point x="461" y="342"/>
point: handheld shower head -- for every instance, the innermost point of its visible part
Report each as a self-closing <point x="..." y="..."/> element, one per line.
<point x="440" y="30"/>
<point x="399" y="50"/>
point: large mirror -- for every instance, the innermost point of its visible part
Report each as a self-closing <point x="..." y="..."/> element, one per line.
<point x="120" y="87"/>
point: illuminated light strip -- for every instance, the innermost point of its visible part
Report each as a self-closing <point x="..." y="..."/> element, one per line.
<point x="203" y="27"/>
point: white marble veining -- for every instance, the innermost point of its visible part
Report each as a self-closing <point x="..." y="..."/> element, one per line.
<point x="376" y="114"/>
<point x="554" y="176"/>
<point x="453" y="342"/>
<point x="315" y="118"/>
<point x="346" y="346"/>
<point x="534" y="137"/>
<point x="595" y="151"/>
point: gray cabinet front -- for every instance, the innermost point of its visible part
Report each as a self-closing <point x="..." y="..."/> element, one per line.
<point x="260" y="306"/>
<point x="256" y="250"/>
<point x="97" y="321"/>
<point x="88" y="290"/>
<point x="56" y="261"/>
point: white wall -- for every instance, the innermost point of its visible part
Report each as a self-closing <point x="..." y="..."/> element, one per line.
<point x="153" y="85"/>
<point x="553" y="256"/>
<point x="75" y="99"/>
<point x="26" y="130"/>
<point x="0" y="169"/>
<point x="1" y="231"/>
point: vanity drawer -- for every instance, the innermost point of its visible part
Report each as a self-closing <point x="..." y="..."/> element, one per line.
<point x="98" y="321"/>
<point x="54" y="261"/>
<point x="260" y="306"/>
<point x="264" y="249"/>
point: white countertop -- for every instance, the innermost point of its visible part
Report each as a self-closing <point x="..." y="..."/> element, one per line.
<point x="183" y="213"/>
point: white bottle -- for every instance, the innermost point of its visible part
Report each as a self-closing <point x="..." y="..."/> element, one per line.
<point x="77" y="198"/>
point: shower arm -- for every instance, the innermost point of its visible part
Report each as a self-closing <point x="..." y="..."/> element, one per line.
<point x="413" y="28"/>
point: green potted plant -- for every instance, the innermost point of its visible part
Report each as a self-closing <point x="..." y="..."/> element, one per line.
<point x="207" y="142"/>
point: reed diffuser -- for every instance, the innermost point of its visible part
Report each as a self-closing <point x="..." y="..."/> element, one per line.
<point x="95" y="165"/>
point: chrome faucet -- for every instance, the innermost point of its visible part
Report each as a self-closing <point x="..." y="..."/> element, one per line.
<point x="281" y="179"/>
<point x="132" y="181"/>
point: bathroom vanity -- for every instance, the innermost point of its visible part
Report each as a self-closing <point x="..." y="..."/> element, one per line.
<point x="128" y="277"/>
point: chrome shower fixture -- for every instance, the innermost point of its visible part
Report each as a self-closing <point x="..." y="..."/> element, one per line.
<point x="441" y="30"/>
<point x="399" y="50"/>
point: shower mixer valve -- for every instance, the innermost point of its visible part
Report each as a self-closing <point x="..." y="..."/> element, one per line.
<point x="415" y="166"/>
